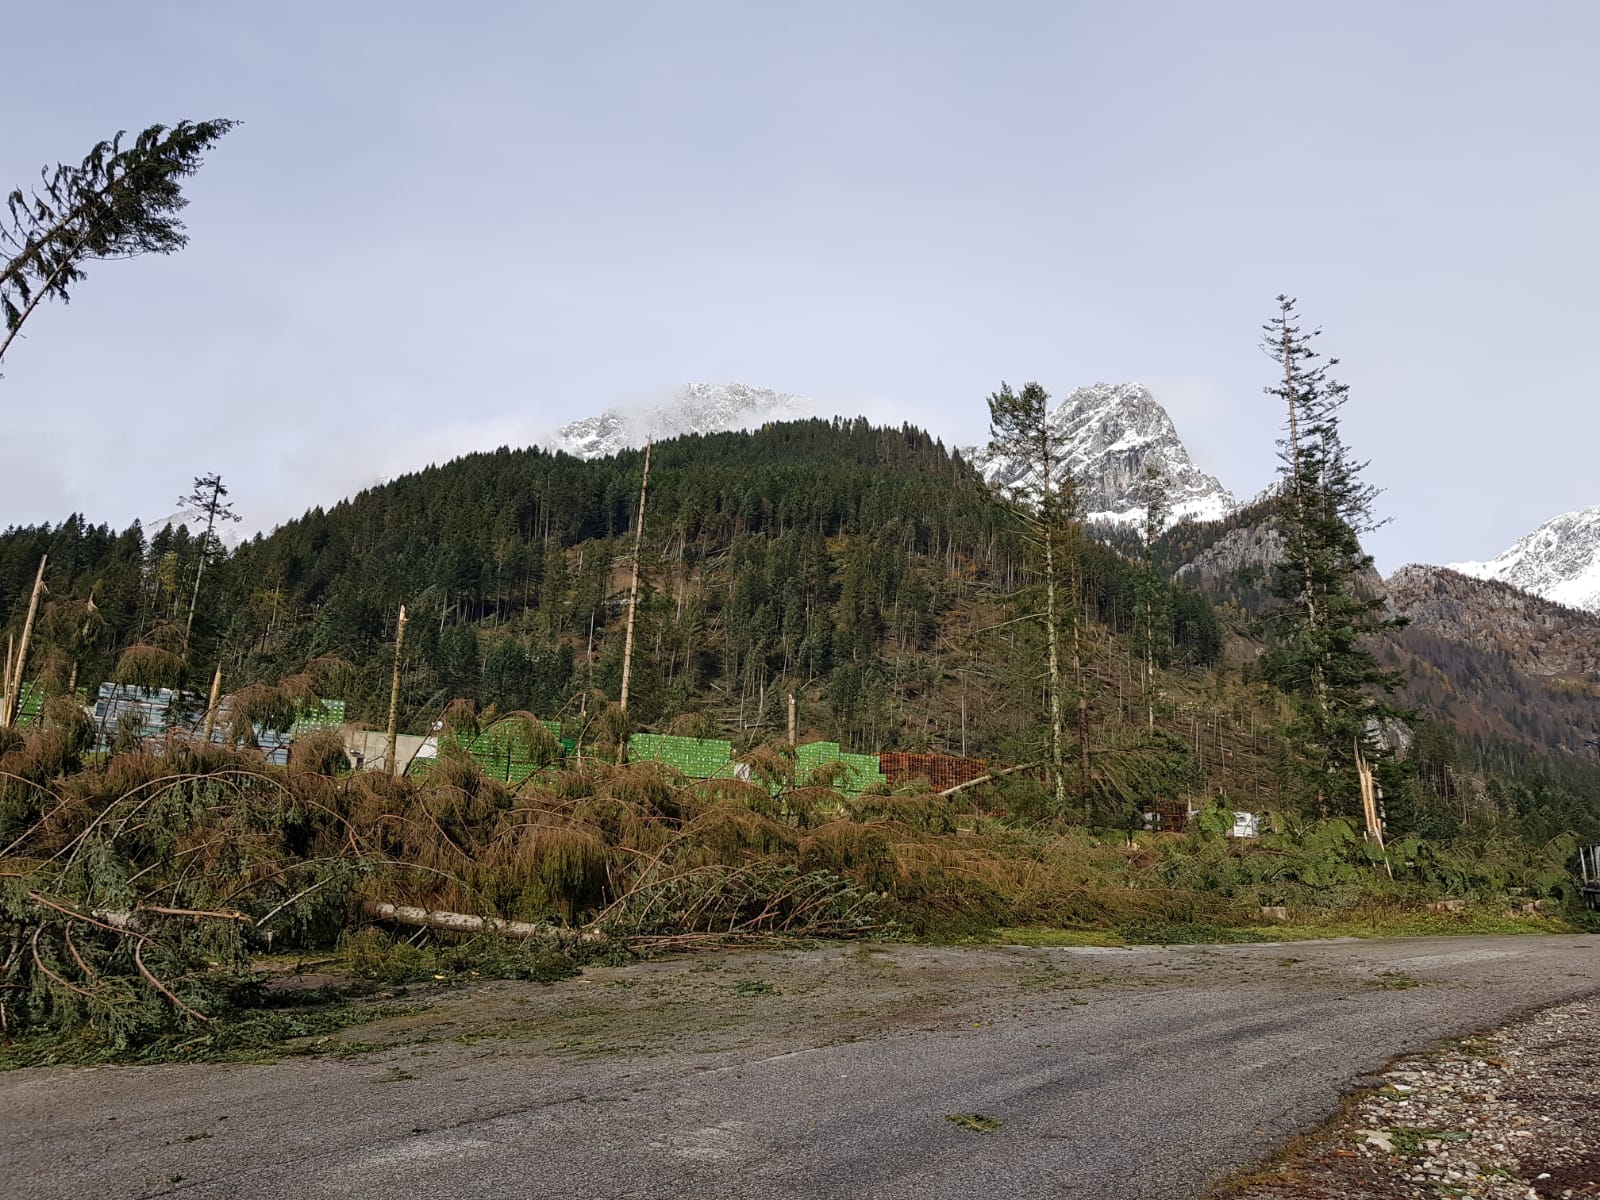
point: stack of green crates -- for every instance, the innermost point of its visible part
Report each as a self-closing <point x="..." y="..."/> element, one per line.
<point x="864" y="772"/>
<point x="325" y="714"/>
<point x="863" y="768"/>
<point x="30" y="704"/>
<point x="809" y="757"/>
<point x="505" y="752"/>
<point x="696" y="758"/>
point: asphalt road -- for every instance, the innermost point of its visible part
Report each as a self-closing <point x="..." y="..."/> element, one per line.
<point x="1120" y="1074"/>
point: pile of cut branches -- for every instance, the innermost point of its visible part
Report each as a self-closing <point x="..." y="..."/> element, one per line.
<point x="134" y="892"/>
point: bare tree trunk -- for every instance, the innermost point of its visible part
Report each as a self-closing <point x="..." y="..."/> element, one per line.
<point x="14" y="688"/>
<point x="1057" y="757"/>
<point x="454" y="922"/>
<point x="1077" y="672"/>
<point x="633" y="592"/>
<point x="5" y="680"/>
<point x="1150" y="663"/>
<point x="391" y="761"/>
<point x="963" y="714"/>
<point x="194" y="596"/>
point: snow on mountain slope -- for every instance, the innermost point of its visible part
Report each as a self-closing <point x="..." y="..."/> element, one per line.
<point x="1115" y="431"/>
<point x="693" y="408"/>
<point x="230" y="535"/>
<point x="1559" y="561"/>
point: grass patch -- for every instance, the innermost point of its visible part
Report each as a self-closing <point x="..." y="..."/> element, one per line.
<point x="1180" y="933"/>
<point x="1047" y="937"/>
<point x="976" y="1122"/>
<point x="1313" y="926"/>
<point x="1395" y="981"/>
<point x="260" y="1036"/>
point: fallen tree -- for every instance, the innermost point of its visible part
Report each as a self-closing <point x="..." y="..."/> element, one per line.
<point x="454" y="922"/>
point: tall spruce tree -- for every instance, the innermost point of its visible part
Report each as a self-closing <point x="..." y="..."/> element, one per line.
<point x="1322" y="630"/>
<point x="1045" y="498"/>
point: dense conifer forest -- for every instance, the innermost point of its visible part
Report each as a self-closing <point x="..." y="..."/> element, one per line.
<point x="865" y="570"/>
<point x="853" y="565"/>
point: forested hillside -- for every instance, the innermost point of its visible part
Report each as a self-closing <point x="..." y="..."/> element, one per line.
<point x="868" y="570"/>
<point x="865" y="570"/>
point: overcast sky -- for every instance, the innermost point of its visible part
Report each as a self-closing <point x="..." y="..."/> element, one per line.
<point x="446" y="227"/>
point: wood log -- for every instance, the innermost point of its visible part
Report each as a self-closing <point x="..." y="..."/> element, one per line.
<point x="453" y="922"/>
<point x="961" y="787"/>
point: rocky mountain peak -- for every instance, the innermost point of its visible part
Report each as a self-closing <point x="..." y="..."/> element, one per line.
<point x="1115" y="432"/>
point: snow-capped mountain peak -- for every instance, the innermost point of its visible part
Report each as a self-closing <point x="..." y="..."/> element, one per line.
<point x="1115" y="432"/>
<point x="1559" y="561"/>
<point x="693" y="408"/>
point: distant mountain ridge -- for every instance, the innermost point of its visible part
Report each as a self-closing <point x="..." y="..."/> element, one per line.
<point x="1543" y="637"/>
<point x="1115" y="432"/>
<point x="693" y="408"/>
<point x="1559" y="561"/>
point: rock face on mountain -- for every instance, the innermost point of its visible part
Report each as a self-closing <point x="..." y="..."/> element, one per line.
<point x="1250" y="549"/>
<point x="1496" y="662"/>
<point x="1115" y="432"/>
<point x="1559" y="561"/>
<point x="1543" y="638"/>
<point x="693" y="408"/>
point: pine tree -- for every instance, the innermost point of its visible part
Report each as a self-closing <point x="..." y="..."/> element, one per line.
<point x="1322" y="629"/>
<point x="208" y="500"/>
<point x="1046" y="500"/>
<point x="118" y="203"/>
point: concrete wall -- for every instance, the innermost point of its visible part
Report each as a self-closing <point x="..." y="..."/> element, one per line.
<point x="369" y="747"/>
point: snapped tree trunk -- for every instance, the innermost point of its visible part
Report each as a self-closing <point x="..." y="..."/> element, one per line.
<point x="391" y="759"/>
<point x="1057" y="732"/>
<point x="14" y="684"/>
<point x="211" y="705"/>
<point x="633" y="591"/>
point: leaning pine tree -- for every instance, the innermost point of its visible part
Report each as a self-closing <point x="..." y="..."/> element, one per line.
<point x="120" y="202"/>
<point x="1322" y="629"/>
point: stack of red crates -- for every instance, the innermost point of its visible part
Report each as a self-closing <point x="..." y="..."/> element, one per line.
<point x="941" y="770"/>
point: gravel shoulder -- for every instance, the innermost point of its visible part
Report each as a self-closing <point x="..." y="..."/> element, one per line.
<point x="837" y="1070"/>
<point x="1510" y="1115"/>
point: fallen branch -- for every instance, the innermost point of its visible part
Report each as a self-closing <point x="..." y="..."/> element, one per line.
<point x="47" y="972"/>
<point x="138" y="961"/>
<point x="986" y="778"/>
<point x="453" y="922"/>
<point x="127" y="920"/>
